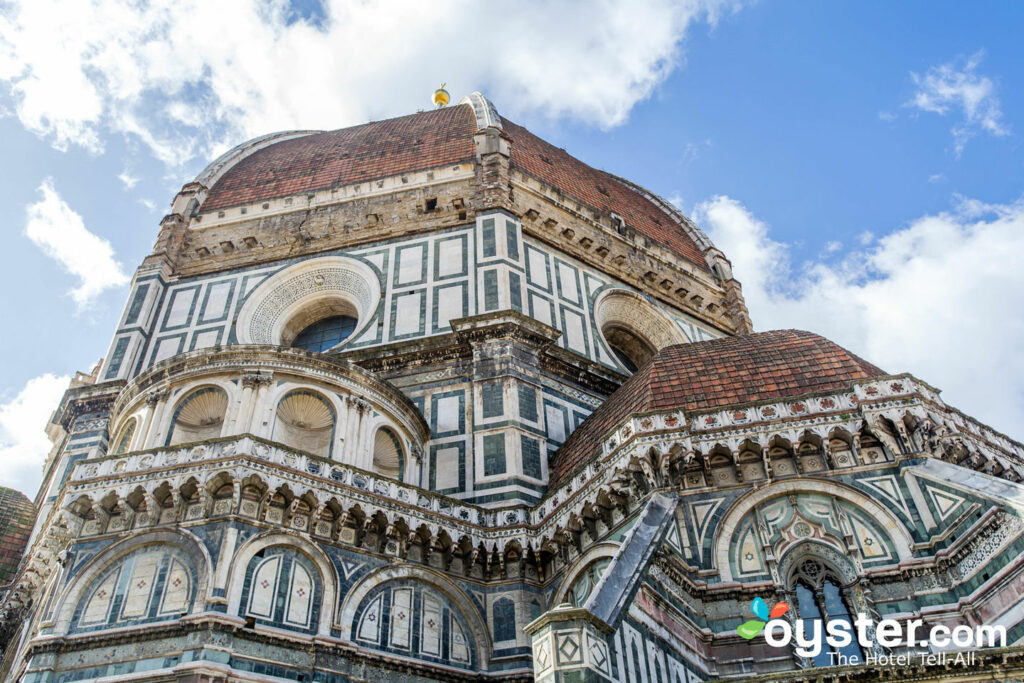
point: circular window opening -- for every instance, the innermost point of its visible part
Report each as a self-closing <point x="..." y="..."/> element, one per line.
<point x="321" y="324"/>
<point x="633" y="328"/>
<point x="325" y="334"/>
<point x="630" y="349"/>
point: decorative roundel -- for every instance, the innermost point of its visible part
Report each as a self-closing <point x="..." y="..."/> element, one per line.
<point x="298" y="296"/>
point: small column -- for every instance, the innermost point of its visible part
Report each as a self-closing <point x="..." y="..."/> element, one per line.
<point x="253" y="384"/>
<point x="155" y="405"/>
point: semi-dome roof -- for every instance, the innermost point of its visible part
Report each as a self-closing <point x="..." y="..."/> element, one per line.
<point x="300" y="162"/>
<point x="715" y="374"/>
<point x="17" y="515"/>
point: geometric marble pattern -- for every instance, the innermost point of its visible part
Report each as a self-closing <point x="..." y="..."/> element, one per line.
<point x="151" y="584"/>
<point x="412" y="619"/>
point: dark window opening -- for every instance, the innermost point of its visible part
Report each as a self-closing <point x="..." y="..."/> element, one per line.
<point x="630" y="349"/>
<point x="325" y="334"/>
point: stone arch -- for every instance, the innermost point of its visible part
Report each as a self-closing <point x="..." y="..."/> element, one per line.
<point x="126" y="435"/>
<point x="439" y="582"/>
<point x="313" y="552"/>
<point x="791" y="559"/>
<point x="103" y="560"/>
<point x="746" y="503"/>
<point x="633" y="328"/>
<point x="598" y="551"/>
<point x="304" y="293"/>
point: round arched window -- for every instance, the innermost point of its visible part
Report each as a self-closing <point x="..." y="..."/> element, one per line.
<point x="630" y="349"/>
<point x="325" y="334"/>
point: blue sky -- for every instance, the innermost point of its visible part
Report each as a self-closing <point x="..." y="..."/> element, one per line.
<point x="860" y="163"/>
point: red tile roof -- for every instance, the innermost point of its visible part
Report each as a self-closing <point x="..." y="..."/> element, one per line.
<point x="716" y="374"/>
<point x="599" y="190"/>
<point x="417" y="142"/>
<point x="432" y="139"/>
<point x="17" y="515"/>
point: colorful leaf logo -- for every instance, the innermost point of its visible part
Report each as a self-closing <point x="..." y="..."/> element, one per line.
<point x="750" y="629"/>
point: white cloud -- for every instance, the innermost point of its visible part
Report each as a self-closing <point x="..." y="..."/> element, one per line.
<point x="186" y="76"/>
<point x="23" y="441"/>
<point x="127" y="179"/>
<point x="60" y="232"/>
<point x="936" y="178"/>
<point x="940" y="297"/>
<point x="957" y="87"/>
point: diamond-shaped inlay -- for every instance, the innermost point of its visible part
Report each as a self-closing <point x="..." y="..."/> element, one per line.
<point x="141" y="584"/>
<point x="542" y="655"/>
<point x="568" y="647"/>
<point x="265" y="584"/>
<point x="598" y="652"/>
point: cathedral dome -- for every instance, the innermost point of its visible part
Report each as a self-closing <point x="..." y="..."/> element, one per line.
<point x="715" y="374"/>
<point x="302" y="162"/>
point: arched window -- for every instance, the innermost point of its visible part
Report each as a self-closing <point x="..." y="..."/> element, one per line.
<point x="326" y="333"/>
<point x="154" y="583"/>
<point x="200" y="416"/>
<point x="305" y="421"/>
<point x="124" y="439"/>
<point x="412" y="619"/>
<point x="283" y="589"/>
<point x="820" y="602"/>
<point x="585" y="583"/>
<point x="388" y="459"/>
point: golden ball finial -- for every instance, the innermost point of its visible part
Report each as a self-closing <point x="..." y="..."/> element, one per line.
<point x="441" y="96"/>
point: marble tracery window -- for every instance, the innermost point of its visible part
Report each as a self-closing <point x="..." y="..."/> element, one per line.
<point x="819" y="602"/>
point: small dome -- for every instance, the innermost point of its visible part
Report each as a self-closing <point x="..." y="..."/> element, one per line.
<point x="17" y="515"/>
<point x="715" y="374"/>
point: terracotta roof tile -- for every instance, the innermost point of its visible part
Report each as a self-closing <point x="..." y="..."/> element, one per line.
<point x="716" y="374"/>
<point x="17" y="516"/>
<point x="429" y="139"/>
<point x="433" y="139"/>
<point x="599" y="190"/>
